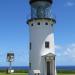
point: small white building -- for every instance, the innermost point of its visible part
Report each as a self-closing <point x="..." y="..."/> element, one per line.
<point x="42" y="51"/>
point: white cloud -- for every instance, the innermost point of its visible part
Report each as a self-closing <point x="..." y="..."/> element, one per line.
<point x="66" y="55"/>
<point x="69" y="4"/>
<point x="73" y="45"/>
<point x="58" y="47"/>
<point x="70" y="51"/>
<point x="66" y="51"/>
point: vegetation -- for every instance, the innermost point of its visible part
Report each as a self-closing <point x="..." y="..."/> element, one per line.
<point x="65" y="74"/>
<point x="66" y="71"/>
<point x="16" y="71"/>
<point x="14" y="74"/>
<point x="25" y="72"/>
<point x="21" y="71"/>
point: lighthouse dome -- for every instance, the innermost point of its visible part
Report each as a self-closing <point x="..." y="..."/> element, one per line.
<point x="32" y="1"/>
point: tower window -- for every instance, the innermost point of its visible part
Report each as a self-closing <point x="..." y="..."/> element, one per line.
<point x="30" y="45"/>
<point x="46" y="23"/>
<point x="32" y="24"/>
<point x="38" y="23"/>
<point x="46" y="44"/>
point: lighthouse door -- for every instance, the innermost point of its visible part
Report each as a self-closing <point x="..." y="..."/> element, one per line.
<point x="48" y="67"/>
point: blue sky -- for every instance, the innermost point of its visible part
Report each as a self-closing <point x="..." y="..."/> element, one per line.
<point x="14" y="32"/>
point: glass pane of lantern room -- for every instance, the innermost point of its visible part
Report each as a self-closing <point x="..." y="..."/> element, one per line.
<point x="40" y="12"/>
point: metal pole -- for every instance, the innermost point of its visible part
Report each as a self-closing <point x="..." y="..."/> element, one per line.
<point x="10" y="66"/>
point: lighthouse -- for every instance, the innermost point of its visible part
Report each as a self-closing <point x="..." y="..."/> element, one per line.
<point x="42" y="51"/>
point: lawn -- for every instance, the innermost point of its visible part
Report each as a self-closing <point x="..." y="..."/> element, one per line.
<point x="27" y="74"/>
<point x="14" y="74"/>
<point x="65" y="74"/>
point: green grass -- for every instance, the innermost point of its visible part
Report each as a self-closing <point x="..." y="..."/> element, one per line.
<point x="27" y="74"/>
<point x="65" y="74"/>
<point x="14" y="74"/>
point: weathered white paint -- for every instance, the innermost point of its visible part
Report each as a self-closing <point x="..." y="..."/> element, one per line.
<point x="38" y="35"/>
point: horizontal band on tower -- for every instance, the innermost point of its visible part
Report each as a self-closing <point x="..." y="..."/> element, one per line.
<point x="32" y="1"/>
<point x="50" y="19"/>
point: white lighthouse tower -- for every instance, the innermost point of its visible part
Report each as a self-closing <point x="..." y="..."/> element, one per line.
<point x="42" y="51"/>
